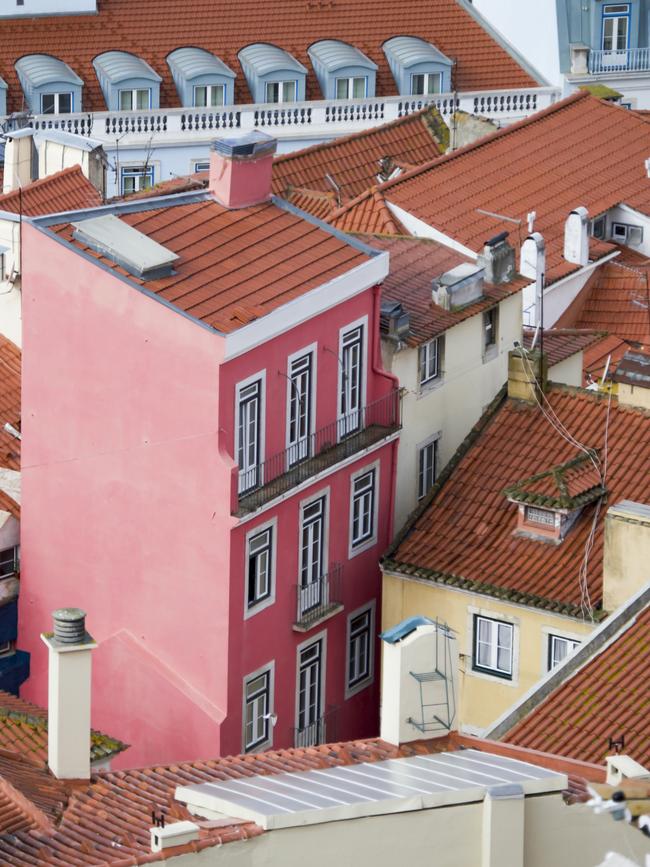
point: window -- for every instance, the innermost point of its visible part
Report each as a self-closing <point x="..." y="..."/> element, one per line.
<point x="249" y="419"/>
<point x="135" y="100"/>
<point x="201" y="166"/>
<point x="312" y="554"/>
<point x="428" y="357"/>
<point x="299" y="416"/>
<point x="310" y="695"/>
<point x="56" y="103"/>
<point x="209" y="95"/>
<point x="616" y="27"/>
<point x="136" y="178"/>
<point x="360" y="650"/>
<point x="363" y="509"/>
<point x="257" y="710"/>
<point x="559" y="648"/>
<point x="351" y="385"/>
<point x="9" y="561"/>
<point x="281" y="91"/>
<point x="627" y="234"/>
<point x="492" y="646"/>
<point x="599" y="227"/>
<point x="426" y="83"/>
<point x="427" y="464"/>
<point x="351" y="88"/>
<point x="490" y="325"/>
<point x="540" y="516"/>
<point x="259" y="575"/>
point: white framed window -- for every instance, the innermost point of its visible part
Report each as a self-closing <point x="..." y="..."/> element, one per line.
<point x="209" y="95"/>
<point x="352" y="88"/>
<point x="136" y="178"/>
<point x="426" y="83"/>
<point x="301" y="404"/>
<point x="281" y="91"/>
<point x="258" y="709"/>
<point x="490" y="328"/>
<point x="559" y="647"/>
<point x="9" y="561"/>
<point x="427" y="466"/>
<point x="545" y="517"/>
<point x="261" y="547"/>
<point x="360" y="649"/>
<point x="363" y="509"/>
<point x="249" y="436"/>
<point x="201" y="166"/>
<point x="493" y="646"/>
<point x="429" y="361"/>
<point x="57" y="103"/>
<point x="352" y="377"/>
<point x="310" y="692"/>
<point x="616" y="27"/>
<point x="137" y="99"/>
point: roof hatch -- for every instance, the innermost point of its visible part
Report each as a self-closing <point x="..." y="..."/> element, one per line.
<point x="126" y="246"/>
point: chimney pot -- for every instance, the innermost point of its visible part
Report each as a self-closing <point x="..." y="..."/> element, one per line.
<point x="69" y="625"/>
<point x="498" y="259"/>
<point x="241" y="169"/>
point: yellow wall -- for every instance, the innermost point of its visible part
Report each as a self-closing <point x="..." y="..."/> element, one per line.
<point x="483" y="697"/>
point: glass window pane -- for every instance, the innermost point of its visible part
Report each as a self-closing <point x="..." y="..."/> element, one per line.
<point x="359" y="88"/>
<point x="288" y="91"/>
<point x="216" y="95"/>
<point x="47" y="103"/>
<point x="143" y="99"/>
<point x="272" y="91"/>
<point x="65" y="103"/>
<point x="126" y="100"/>
<point x="433" y="82"/>
<point x="417" y="84"/>
<point x="341" y="88"/>
<point x="200" y="96"/>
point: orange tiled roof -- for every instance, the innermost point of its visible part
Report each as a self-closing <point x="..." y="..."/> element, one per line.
<point x="320" y="205"/>
<point x="367" y="213"/>
<point x="9" y="402"/>
<point x="609" y="349"/>
<point x="353" y="161"/>
<point x="31" y="800"/>
<point x="562" y="343"/>
<point x="8" y="504"/>
<point x="414" y="263"/>
<point x="235" y="265"/>
<point x="464" y="533"/>
<point x="549" y="163"/>
<point x="608" y="697"/>
<point x="67" y="190"/>
<point x="181" y="184"/>
<point x="153" y="28"/>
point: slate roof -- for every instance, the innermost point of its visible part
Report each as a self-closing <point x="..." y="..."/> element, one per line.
<point x="549" y="163"/>
<point x="607" y="697"/>
<point x="414" y="263"/>
<point x="10" y="360"/>
<point x="562" y="343"/>
<point x="463" y="534"/>
<point x="67" y="190"/>
<point x="353" y="161"/>
<point x="235" y="265"/>
<point x="151" y="29"/>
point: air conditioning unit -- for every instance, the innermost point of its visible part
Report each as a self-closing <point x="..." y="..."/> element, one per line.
<point x="599" y="228"/>
<point x="624" y="233"/>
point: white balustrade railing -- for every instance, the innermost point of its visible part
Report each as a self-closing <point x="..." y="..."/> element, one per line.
<point x="318" y="118"/>
<point x="625" y="60"/>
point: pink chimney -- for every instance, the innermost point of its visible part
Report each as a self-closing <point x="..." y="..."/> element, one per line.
<point x="241" y="168"/>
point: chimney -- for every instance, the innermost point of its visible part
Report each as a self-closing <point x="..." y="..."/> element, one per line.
<point x="70" y="649"/>
<point x="498" y="259"/>
<point x="241" y="169"/>
<point x="459" y="287"/>
<point x="395" y="321"/>
<point x="579" y="58"/>
<point x="532" y="264"/>
<point x="621" y="768"/>
<point x="525" y="371"/>
<point x="20" y="156"/>
<point x="576" y="236"/>
<point x="419" y="681"/>
<point x="169" y="836"/>
<point x="627" y="552"/>
<point x="632" y="376"/>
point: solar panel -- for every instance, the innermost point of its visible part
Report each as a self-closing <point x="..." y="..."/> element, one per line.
<point x="368" y="788"/>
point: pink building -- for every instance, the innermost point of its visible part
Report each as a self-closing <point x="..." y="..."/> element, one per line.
<point x="209" y="447"/>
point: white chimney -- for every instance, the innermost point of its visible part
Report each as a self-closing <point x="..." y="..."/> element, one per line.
<point x="177" y="834"/>
<point x="419" y="681"/>
<point x="532" y="264"/>
<point x="70" y="649"/>
<point x="620" y="768"/>
<point x="576" y="237"/>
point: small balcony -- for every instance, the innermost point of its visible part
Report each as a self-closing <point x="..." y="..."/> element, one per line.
<point x="337" y="441"/>
<point x="623" y="60"/>
<point x="322" y="730"/>
<point x="320" y="599"/>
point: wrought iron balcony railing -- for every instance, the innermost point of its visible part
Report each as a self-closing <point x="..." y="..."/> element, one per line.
<point x="319" y="598"/>
<point x="320" y="731"/>
<point x="316" y="452"/>
<point x="623" y="60"/>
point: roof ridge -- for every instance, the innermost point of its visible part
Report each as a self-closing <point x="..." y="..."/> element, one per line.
<point x="41" y="182"/>
<point x="34" y="815"/>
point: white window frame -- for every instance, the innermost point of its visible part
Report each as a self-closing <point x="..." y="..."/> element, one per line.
<point x="351" y="690"/>
<point x="250" y="610"/>
<point x="322" y="637"/>
<point x="209" y="88"/>
<point x="490" y="350"/>
<point x="426" y="354"/>
<point x="196" y="163"/>
<point x="495" y="627"/>
<point x="244" y="383"/>
<point x="324" y="494"/>
<point x="551" y="638"/>
<point x="351" y="326"/>
<point x="268" y="669"/>
<point x="137" y="171"/>
<point x="616" y="17"/>
<point x="296" y="356"/>
<point x="504" y="617"/>
<point x="350" y="86"/>
<point x="57" y="99"/>
<point x="427" y="76"/>
<point x="12" y="559"/>
<point x="363" y="544"/>
<point x="280" y="84"/>
<point x="134" y="98"/>
<point x="434" y="441"/>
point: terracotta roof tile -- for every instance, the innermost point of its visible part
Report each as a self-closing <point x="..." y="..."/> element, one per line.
<point x="605" y="353"/>
<point x="562" y="343"/>
<point x="9" y="402"/>
<point x="353" y="162"/>
<point x="8" y="504"/>
<point x="153" y="28"/>
<point x="551" y="162"/>
<point x="320" y="205"/>
<point x="567" y="486"/>
<point x="485" y="555"/>
<point x="67" y="190"/>
<point x="235" y="265"/>
<point x="608" y="697"/>
<point x="367" y="213"/>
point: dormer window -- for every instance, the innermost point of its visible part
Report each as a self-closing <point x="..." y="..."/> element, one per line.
<point x="426" y="82"/>
<point x="343" y="71"/>
<point x="272" y="74"/>
<point x="209" y="95"/>
<point x="281" y="91"/>
<point x="50" y="85"/>
<point x="351" y="88"/>
<point x="543" y="517"/>
<point x="202" y="79"/>
<point x="137" y="99"/>
<point x="56" y="103"/>
<point x="127" y="82"/>
<point x="418" y="67"/>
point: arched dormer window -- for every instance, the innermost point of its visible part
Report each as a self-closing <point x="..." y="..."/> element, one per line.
<point x="49" y="85"/>
<point x="417" y="66"/>
<point x="272" y="74"/>
<point x="343" y="71"/>
<point x="127" y="82"/>
<point x="201" y="78"/>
